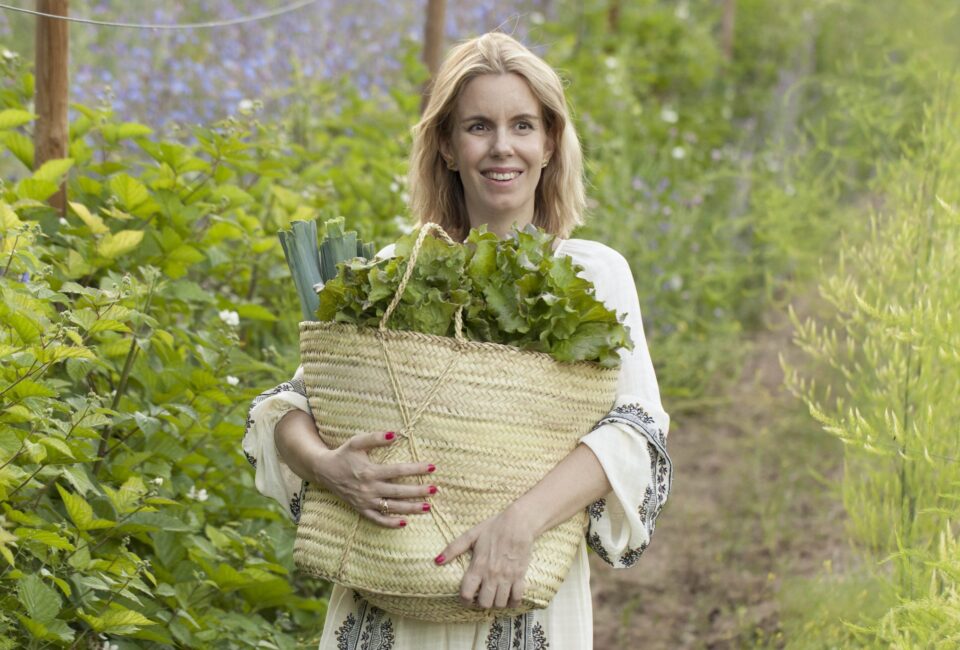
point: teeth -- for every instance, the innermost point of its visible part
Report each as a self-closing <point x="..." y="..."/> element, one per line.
<point x="502" y="177"/>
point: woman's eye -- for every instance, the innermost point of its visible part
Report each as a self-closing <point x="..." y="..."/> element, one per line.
<point x="524" y="126"/>
<point x="475" y="127"/>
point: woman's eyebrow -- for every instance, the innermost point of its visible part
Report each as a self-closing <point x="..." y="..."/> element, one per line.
<point x="522" y="116"/>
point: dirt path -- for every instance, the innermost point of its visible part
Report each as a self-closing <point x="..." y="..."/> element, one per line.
<point x="745" y="511"/>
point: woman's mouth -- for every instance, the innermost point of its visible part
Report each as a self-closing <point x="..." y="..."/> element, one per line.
<point x="501" y="178"/>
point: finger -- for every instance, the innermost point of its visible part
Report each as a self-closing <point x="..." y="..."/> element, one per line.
<point x="391" y="471"/>
<point x="400" y="491"/>
<point x="516" y="594"/>
<point x="468" y="589"/>
<point x="367" y="441"/>
<point x="488" y="592"/>
<point x="396" y="507"/>
<point x="502" y="596"/>
<point x="384" y="520"/>
<point x="457" y="547"/>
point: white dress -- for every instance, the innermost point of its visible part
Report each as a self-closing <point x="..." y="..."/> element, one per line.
<point x="630" y="443"/>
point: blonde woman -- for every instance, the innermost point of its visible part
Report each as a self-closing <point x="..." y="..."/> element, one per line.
<point x="495" y="146"/>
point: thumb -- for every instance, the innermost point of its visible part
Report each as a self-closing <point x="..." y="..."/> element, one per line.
<point x="457" y="547"/>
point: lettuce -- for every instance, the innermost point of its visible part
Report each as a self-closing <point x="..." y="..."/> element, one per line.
<point x="513" y="291"/>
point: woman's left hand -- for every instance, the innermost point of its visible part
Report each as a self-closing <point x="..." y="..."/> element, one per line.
<point x="501" y="549"/>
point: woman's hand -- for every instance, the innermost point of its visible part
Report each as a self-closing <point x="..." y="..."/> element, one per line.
<point x="501" y="549"/>
<point x="348" y="472"/>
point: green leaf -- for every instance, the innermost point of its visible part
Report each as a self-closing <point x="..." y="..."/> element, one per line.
<point x="40" y="600"/>
<point x="54" y="170"/>
<point x="116" y="620"/>
<point x="93" y="221"/>
<point x="20" y="146"/>
<point x="256" y="312"/>
<point x="131" y="192"/>
<point x="81" y="512"/>
<point x="11" y="118"/>
<point x="120" y="243"/>
<point x="36" y="189"/>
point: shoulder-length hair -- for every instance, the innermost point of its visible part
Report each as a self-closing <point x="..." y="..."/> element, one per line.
<point x="436" y="192"/>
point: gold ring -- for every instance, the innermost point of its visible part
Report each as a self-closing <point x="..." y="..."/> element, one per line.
<point x="384" y="507"/>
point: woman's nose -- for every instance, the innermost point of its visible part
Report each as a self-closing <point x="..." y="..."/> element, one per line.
<point x="502" y="143"/>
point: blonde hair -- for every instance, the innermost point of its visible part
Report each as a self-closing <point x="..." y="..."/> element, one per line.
<point x="436" y="192"/>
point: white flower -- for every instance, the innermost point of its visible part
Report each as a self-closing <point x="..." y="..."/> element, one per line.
<point x="245" y="106"/>
<point x="8" y="55"/>
<point x="157" y="481"/>
<point x="679" y="153"/>
<point x="682" y="11"/>
<point x="233" y="381"/>
<point x="229" y="317"/>
<point x="675" y="283"/>
<point x="536" y="18"/>
<point x="611" y="62"/>
<point x="669" y="115"/>
<point x="63" y="222"/>
<point x="109" y="646"/>
<point x="197" y="495"/>
<point x="45" y="572"/>
<point x="394" y="186"/>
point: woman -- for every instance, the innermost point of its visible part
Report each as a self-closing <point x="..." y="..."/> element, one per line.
<point x="495" y="146"/>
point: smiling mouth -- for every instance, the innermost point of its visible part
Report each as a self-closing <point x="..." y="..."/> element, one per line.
<point x="501" y="177"/>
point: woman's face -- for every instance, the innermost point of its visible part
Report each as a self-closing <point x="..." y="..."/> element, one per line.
<point x="498" y="144"/>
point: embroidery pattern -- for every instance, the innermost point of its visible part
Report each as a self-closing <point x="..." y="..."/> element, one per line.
<point x="518" y="633"/>
<point x="655" y="495"/>
<point x="292" y="386"/>
<point x="370" y="629"/>
<point x="597" y="508"/>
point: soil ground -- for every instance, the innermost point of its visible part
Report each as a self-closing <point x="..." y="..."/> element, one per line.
<point x="752" y="504"/>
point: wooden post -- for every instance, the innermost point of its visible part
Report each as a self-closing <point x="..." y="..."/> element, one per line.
<point x="433" y="42"/>
<point x="51" y="136"/>
<point x="727" y="25"/>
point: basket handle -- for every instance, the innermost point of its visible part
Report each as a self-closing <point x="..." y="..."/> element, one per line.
<point x="425" y="230"/>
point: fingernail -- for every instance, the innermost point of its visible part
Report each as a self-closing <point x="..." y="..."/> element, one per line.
<point x="432" y="489"/>
<point x="426" y="507"/>
<point x="440" y="559"/>
<point x="402" y="523"/>
<point x="431" y="467"/>
<point x="390" y="435"/>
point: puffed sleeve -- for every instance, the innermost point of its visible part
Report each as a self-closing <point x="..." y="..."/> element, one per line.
<point x="631" y="441"/>
<point x="273" y="477"/>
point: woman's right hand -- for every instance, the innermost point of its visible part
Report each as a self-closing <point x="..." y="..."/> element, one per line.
<point x="348" y="472"/>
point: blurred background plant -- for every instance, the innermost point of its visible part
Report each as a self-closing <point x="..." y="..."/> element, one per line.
<point x="729" y="166"/>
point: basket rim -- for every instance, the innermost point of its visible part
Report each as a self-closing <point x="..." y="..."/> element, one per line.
<point x="450" y="342"/>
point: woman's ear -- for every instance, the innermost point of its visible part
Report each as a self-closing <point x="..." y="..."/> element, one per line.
<point x="446" y="151"/>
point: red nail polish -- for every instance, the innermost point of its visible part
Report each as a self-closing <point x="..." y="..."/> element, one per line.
<point x="426" y="507"/>
<point x="431" y="467"/>
<point x="440" y="559"/>
<point x="433" y="489"/>
<point x="402" y="523"/>
<point x="390" y="435"/>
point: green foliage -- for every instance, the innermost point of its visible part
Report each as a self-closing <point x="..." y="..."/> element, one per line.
<point x="891" y="354"/>
<point x="513" y="291"/>
<point x="128" y="513"/>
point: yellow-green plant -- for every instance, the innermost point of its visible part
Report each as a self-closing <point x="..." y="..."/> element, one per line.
<point x="893" y="354"/>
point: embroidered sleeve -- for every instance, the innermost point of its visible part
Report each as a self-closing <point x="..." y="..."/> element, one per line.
<point x="273" y="477"/>
<point x="631" y="440"/>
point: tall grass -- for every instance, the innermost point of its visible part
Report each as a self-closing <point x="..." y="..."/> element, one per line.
<point x="892" y="351"/>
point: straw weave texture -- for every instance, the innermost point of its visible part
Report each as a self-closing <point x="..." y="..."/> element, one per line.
<point x="494" y="419"/>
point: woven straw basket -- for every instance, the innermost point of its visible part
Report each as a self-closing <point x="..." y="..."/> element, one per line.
<point x="494" y="419"/>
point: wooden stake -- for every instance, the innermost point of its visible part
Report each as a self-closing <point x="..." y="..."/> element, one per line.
<point x="51" y="136"/>
<point x="727" y="26"/>
<point x="432" y="42"/>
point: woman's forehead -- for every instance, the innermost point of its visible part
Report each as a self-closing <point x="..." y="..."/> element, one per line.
<point x="497" y="95"/>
